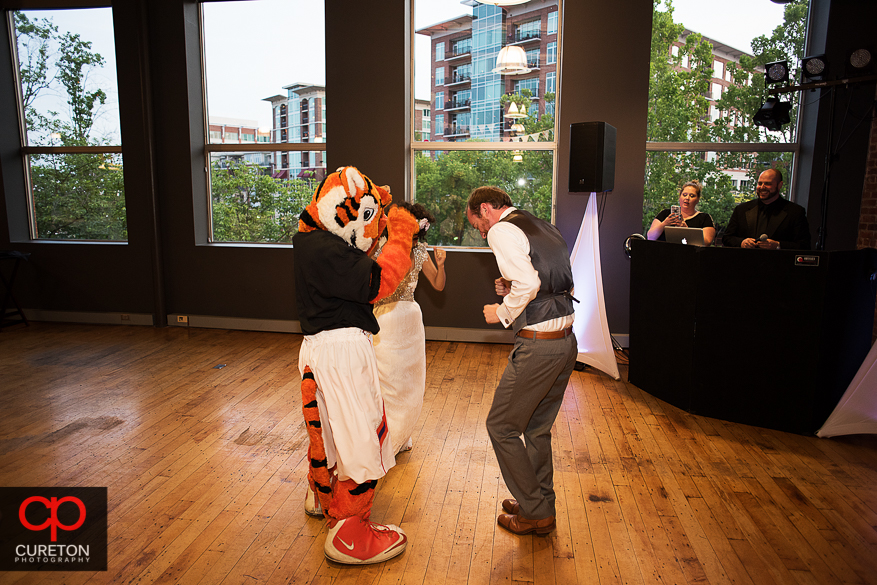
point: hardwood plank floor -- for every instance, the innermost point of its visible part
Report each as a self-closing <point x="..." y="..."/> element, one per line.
<point x="198" y="436"/>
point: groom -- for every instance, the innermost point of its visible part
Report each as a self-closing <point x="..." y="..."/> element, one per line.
<point x="536" y="287"/>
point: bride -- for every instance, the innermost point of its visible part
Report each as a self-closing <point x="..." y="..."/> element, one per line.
<point x="400" y="345"/>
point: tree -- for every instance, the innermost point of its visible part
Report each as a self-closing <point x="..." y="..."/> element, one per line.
<point x="744" y="98"/>
<point x="445" y="179"/>
<point x="251" y="206"/>
<point x="76" y="195"/>
<point x="679" y="112"/>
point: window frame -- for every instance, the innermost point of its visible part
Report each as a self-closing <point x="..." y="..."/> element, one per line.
<point x="506" y="146"/>
<point x="283" y="149"/>
<point x="26" y="151"/>
<point x="711" y="149"/>
<point x="552" y="21"/>
<point x="551" y="53"/>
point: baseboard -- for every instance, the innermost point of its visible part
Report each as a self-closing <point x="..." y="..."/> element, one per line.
<point x="90" y="318"/>
<point x="236" y="323"/>
<point x="470" y="335"/>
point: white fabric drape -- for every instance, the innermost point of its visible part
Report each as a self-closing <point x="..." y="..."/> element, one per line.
<point x="591" y="327"/>
<point x="856" y="413"/>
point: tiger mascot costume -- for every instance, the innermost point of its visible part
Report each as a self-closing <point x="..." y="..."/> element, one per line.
<point x="336" y="285"/>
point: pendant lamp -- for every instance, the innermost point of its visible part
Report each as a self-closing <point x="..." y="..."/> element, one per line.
<point x="512" y="60"/>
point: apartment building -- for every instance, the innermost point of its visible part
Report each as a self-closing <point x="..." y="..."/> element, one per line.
<point x="299" y="116"/>
<point x="465" y="91"/>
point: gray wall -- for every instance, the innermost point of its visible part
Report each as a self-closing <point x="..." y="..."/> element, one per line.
<point x="168" y="267"/>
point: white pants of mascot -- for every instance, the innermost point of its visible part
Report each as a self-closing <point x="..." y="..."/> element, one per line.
<point x="344" y="411"/>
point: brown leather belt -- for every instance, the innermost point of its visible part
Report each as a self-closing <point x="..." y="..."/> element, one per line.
<point x="530" y="334"/>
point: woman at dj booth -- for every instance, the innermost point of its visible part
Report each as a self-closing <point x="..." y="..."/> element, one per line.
<point x="684" y="215"/>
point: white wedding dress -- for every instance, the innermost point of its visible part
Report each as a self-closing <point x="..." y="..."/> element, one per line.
<point x="400" y="347"/>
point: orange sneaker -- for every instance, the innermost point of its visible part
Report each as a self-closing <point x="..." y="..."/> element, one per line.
<point x="354" y="541"/>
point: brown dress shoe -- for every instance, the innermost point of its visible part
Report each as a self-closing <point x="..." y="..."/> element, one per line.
<point x="518" y="525"/>
<point x="511" y="506"/>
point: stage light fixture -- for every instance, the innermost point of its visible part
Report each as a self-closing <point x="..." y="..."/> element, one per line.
<point x="860" y="58"/>
<point x="813" y="68"/>
<point x="860" y="62"/>
<point x="776" y="72"/>
<point x="773" y="114"/>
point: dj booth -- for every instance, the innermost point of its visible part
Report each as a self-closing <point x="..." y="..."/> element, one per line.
<point x="770" y="338"/>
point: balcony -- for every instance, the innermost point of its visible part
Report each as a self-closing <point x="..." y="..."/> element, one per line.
<point x="457" y="105"/>
<point x="456" y="79"/>
<point x="522" y="38"/>
<point x="456" y="131"/>
<point x="458" y="53"/>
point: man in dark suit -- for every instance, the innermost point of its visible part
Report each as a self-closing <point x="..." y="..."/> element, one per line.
<point x="768" y="222"/>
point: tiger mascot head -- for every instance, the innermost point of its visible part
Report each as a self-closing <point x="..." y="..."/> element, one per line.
<point x="350" y="206"/>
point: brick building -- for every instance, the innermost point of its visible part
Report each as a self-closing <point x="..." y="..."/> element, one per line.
<point x="464" y="89"/>
<point x="238" y="131"/>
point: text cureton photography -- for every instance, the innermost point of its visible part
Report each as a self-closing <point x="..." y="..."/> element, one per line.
<point x="53" y="529"/>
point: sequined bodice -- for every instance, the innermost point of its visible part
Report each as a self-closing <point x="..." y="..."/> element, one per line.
<point x="405" y="290"/>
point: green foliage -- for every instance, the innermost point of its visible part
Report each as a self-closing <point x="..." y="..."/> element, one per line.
<point x="79" y="196"/>
<point x="678" y="106"/>
<point x="75" y="196"/>
<point x="741" y="101"/>
<point x="446" y="178"/>
<point x="679" y="112"/>
<point x="251" y="206"/>
<point x="444" y="184"/>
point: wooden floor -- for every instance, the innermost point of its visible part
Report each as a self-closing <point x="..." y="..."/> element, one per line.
<point x="205" y="469"/>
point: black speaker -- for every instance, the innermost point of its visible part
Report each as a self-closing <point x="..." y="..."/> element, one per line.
<point x="591" y="157"/>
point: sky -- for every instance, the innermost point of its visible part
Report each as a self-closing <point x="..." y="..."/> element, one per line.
<point x="255" y="48"/>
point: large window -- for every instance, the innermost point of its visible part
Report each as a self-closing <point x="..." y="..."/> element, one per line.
<point x="493" y="128"/>
<point x="707" y="82"/>
<point x="69" y="110"/>
<point x="258" y="187"/>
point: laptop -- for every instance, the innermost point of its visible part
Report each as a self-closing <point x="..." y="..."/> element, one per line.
<point x="684" y="235"/>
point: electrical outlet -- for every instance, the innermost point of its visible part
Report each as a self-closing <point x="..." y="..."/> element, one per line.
<point x="126" y="317"/>
<point x="182" y="319"/>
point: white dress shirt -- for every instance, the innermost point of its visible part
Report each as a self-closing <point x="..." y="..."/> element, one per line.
<point x="512" y="250"/>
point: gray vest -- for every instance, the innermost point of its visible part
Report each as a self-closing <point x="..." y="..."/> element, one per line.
<point x="550" y="257"/>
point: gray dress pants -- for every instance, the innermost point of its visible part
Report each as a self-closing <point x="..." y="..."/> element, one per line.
<point x="526" y="402"/>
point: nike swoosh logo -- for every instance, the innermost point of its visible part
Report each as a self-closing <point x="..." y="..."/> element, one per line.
<point x="349" y="546"/>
